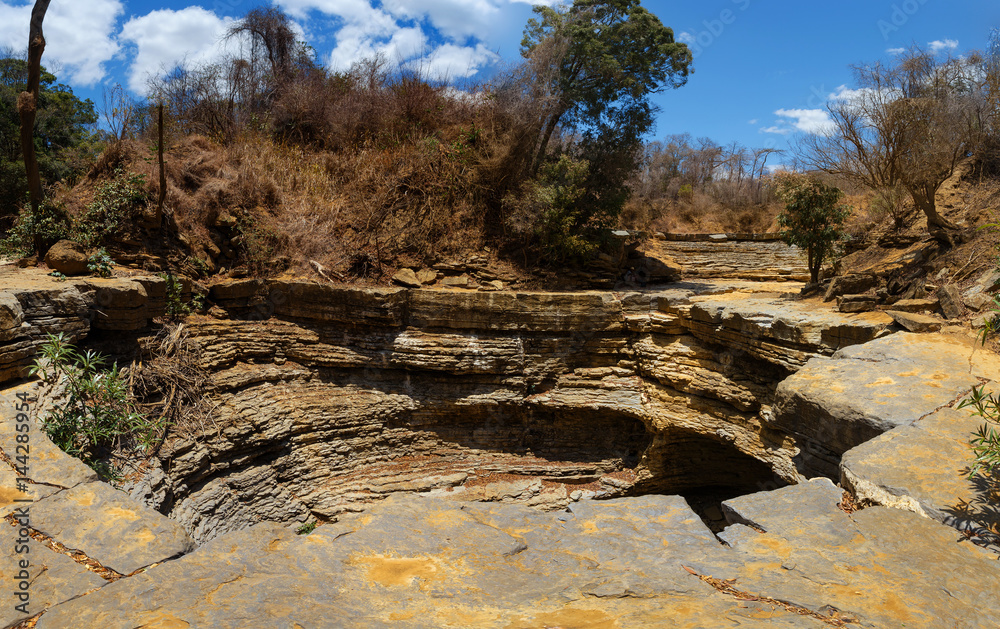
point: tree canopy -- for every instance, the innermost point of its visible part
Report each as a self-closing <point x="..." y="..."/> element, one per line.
<point x="812" y="217"/>
<point x="595" y="65"/>
<point x="63" y="129"/>
<point x="908" y="124"/>
<point x="601" y="60"/>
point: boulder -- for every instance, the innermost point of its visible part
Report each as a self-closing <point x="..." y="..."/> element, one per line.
<point x="462" y="281"/>
<point x="856" y="303"/>
<point x="915" y="322"/>
<point x="916" y="305"/>
<point x="67" y="257"/>
<point x="427" y="276"/>
<point x="978" y="301"/>
<point x="850" y="285"/>
<point x="407" y="277"/>
<point x="951" y="301"/>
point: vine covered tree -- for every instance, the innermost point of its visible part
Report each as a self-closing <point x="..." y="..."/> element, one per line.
<point x="812" y="218"/>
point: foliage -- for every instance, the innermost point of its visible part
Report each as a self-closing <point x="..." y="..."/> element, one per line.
<point x="96" y="415"/>
<point x="65" y="136"/>
<point x="50" y="223"/>
<point x="112" y="212"/>
<point x="176" y="306"/>
<point x="986" y="442"/>
<point x="812" y="218"/>
<point x="306" y="528"/>
<point x="548" y="213"/>
<point x="100" y="263"/>
<point x="596" y="63"/>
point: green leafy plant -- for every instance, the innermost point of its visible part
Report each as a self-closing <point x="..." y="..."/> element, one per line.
<point x="306" y="528"/>
<point x="95" y="416"/>
<point x="113" y="210"/>
<point x="100" y="263"/>
<point x="986" y="441"/>
<point x="176" y="307"/>
<point x="812" y="218"/>
<point x="45" y="227"/>
<point x="60" y="277"/>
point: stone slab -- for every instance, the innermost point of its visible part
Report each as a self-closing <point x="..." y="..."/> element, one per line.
<point x="840" y="402"/>
<point x="421" y="562"/>
<point x="52" y="577"/>
<point x="879" y="567"/>
<point x="47" y="463"/>
<point x="914" y="322"/>
<point x="924" y="468"/>
<point x="110" y="527"/>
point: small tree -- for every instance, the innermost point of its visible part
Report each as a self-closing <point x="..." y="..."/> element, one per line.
<point x="812" y="218"/>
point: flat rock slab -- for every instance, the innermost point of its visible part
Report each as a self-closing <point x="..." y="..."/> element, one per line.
<point x="834" y="404"/>
<point x="52" y="577"/>
<point x="878" y="567"/>
<point x="47" y="464"/>
<point x="914" y="322"/>
<point x="107" y="525"/>
<point x="417" y="561"/>
<point x="924" y="468"/>
<point x="422" y="562"/>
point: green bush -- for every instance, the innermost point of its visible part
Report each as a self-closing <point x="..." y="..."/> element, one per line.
<point x="112" y="213"/>
<point x="176" y="306"/>
<point x="547" y="211"/>
<point x="48" y="225"/>
<point x="100" y="263"/>
<point x="96" y="416"/>
<point x="986" y="442"/>
<point x="813" y="218"/>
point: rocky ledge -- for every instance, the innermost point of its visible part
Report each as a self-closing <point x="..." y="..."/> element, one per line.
<point x="406" y="421"/>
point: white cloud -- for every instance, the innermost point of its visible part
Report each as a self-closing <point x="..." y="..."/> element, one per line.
<point x="815" y="121"/>
<point x="78" y="36"/>
<point x="686" y="38"/>
<point x="939" y="45"/>
<point x="754" y="121"/>
<point x="165" y="39"/>
<point x="450" y="61"/>
<point x="354" y="44"/>
<point x="777" y="129"/>
<point x="895" y="51"/>
<point x="351" y="11"/>
<point x="455" y="19"/>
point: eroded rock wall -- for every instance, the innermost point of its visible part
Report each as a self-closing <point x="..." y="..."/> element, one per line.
<point x="330" y="399"/>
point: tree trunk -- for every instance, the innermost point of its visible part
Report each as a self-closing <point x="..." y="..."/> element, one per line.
<point x="27" y="106"/>
<point x="814" y="264"/>
<point x="163" y="170"/>
<point x="925" y="202"/>
<point x="550" y="126"/>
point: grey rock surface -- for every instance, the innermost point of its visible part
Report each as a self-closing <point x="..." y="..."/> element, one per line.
<point x="110" y="527"/>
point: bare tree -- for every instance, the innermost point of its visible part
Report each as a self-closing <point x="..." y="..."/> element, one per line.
<point x="119" y="111"/>
<point x="908" y="124"/>
<point x="27" y="103"/>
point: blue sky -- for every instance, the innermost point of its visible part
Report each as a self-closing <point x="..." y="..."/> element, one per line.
<point x="763" y="69"/>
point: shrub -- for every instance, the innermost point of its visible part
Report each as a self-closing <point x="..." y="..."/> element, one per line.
<point x="100" y="263"/>
<point x="547" y="209"/>
<point x="176" y="306"/>
<point x="986" y="442"/>
<point x="812" y="218"/>
<point x="113" y="210"/>
<point x="96" y="416"/>
<point x="32" y="229"/>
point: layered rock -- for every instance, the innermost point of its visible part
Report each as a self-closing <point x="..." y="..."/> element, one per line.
<point x="34" y="305"/>
<point x="328" y="399"/>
